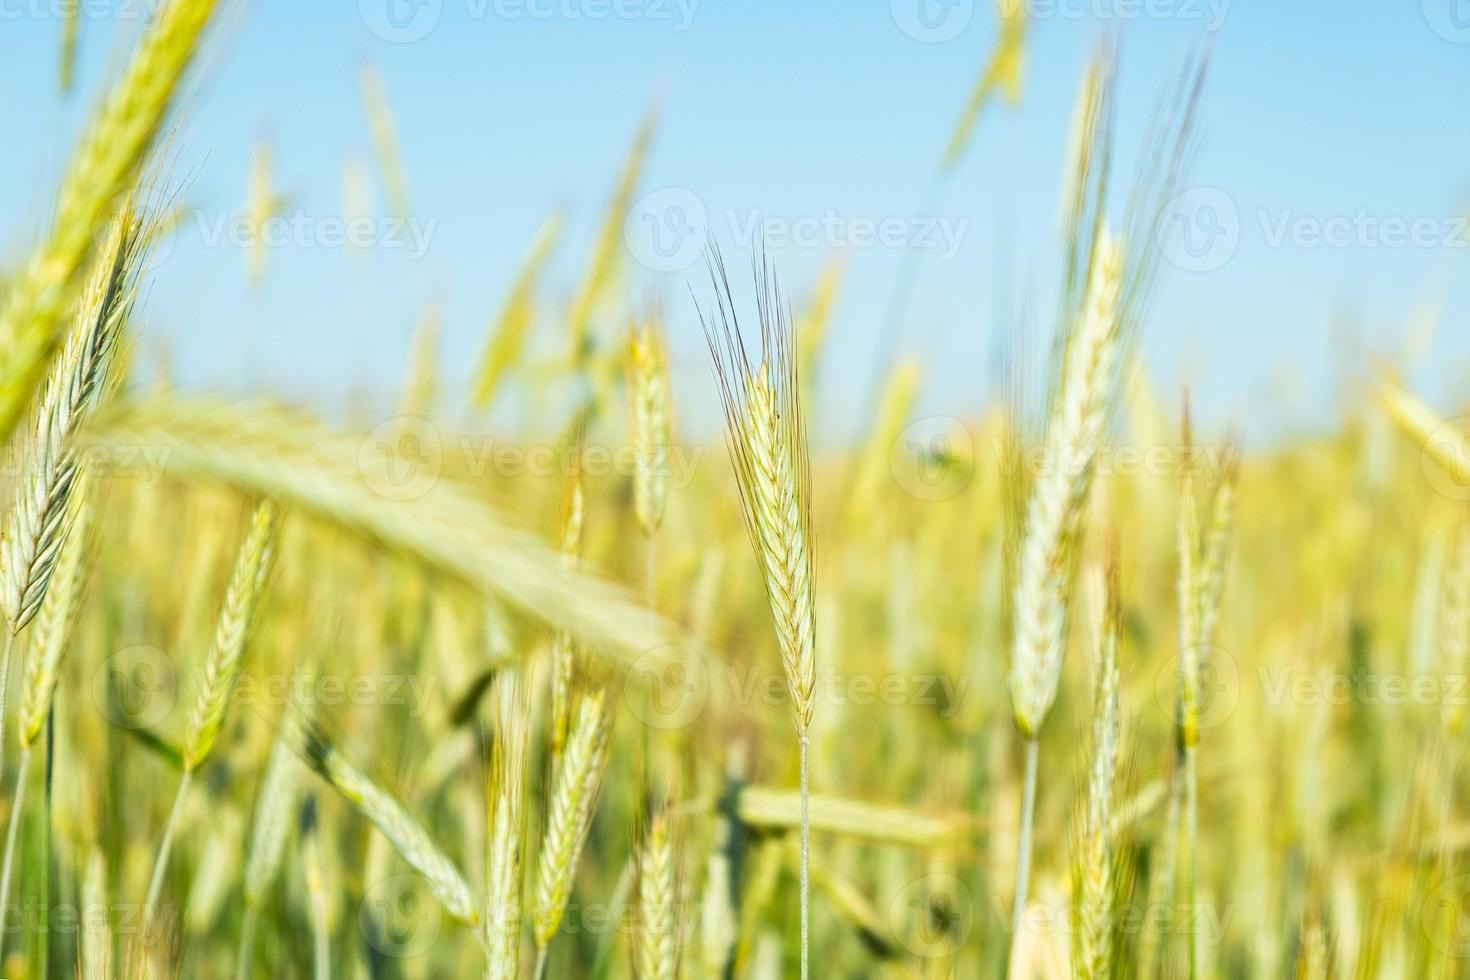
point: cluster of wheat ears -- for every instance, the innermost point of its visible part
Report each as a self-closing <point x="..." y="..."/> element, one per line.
<point x="591" y="777"/>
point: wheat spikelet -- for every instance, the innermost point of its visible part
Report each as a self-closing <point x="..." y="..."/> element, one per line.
<point x="508" y="338"/>
<point x="578" y="779"/>
<point x="1053" y="522"/>
<point x="36" y="526"/>
<point x="275" y="808"/>
<point x="656" y="951"/>
<point x="406" y="834"/>
<point x="1454" y="626"/>
<point x="767" y="439"/>
<point x="69" y="10"/>
<point x="1188" y="533"/>
<point x="603" y="268"/>
<point x="1095" y="867"/>
<point x="648" y="390"/>
<point x="1003" y="72"/>
<point x="385" y="141"/>
<point x="222" y="668"/>
<point x="563" y="644"/>
<point x="56" y="620"/>
<point x="1215" y="550"/>
<point x="507" y="815"/>
<point x="106" y="160"/>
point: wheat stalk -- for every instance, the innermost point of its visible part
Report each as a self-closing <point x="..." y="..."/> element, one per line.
<point x="766" y="434"/>
<point x="221" y="670"/>
<point x="275" y="808"/>
<point x="507" y="825"/>
<point x="106" y="160"/>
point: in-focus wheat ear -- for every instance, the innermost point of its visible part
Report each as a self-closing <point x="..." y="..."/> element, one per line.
<point x="509" y="759"/>
<point x="650" y="409"/>
<point x="36" y="525"/>
<point x="766" y="434"/>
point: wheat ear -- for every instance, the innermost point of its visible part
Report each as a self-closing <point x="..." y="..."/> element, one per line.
<point x="650" y="411"/>
<point x="509" y="757"/>
<point x="221" y="670"/>
<point x="407" y="835"/>
<point x="563" y="644"/>
<point x="656" y="951"/>
<point x="106" y="160"/>
<point x="1096" y="866"/>
<point x="766" y="434"/>
<point x="231" y="639"/>
<point x="1053" y="523"/>
<point x="275" y="806"/>
<point x="578" y="779"/>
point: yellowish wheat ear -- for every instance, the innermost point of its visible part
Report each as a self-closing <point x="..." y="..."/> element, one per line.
<point x="227" y="655"/>
<point x="767" y="438"/>
<point x="507" y="815"/>
<point x="648" y="390"/>
<point x="1053" y="526"/>
<point x="576" y="783"/>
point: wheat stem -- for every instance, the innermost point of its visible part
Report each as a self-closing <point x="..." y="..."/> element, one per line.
<point x="10" y="837"/>
<point x="806" y="857"/>
<point x="1023" y="846"/>
<point x="155" y="884"/>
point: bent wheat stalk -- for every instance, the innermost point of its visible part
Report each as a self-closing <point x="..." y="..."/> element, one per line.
<point x="766" y="435"/>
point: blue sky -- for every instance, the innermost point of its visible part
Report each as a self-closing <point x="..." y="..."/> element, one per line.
<point x="1318" y="117"/>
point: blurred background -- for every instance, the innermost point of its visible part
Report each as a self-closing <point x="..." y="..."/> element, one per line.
<point x="1326" y="216"/>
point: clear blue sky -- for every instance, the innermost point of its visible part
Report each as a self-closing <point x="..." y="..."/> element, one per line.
<point x="509" y="109"/>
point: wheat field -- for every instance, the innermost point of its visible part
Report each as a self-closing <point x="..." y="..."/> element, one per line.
<point x="1070" y="686"/>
